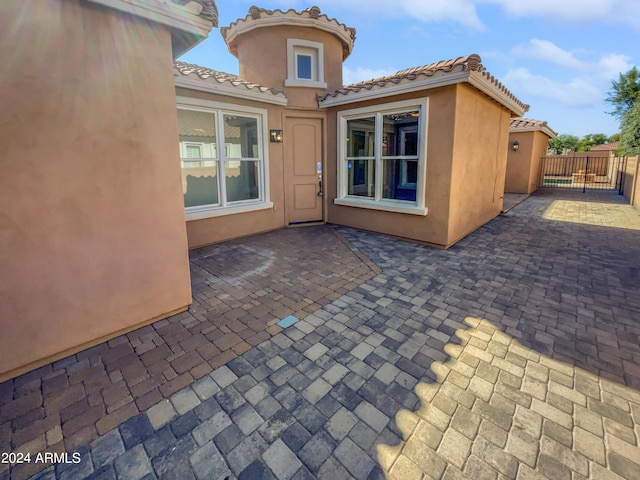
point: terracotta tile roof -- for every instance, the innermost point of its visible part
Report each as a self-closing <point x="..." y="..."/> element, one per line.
<point x="528" y="124"/>
<point x="470" y="63"/>
<point x="444" y="66"/>
<point x="312" y="16"/>
<point x="209" y="9"/>
<point x="520" y="122"/>
<point x="605" y="147"/>
<point x="205" y="74"/>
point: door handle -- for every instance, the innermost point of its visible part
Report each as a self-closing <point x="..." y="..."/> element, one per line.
<point x="320" y="192"/>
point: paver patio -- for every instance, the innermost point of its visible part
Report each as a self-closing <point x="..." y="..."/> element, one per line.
<point x="241" y="289"/>
<point x="514" y="354"/>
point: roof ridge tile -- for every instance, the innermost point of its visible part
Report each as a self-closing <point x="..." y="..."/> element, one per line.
<point x="209" y="9"/>
<point x="470" y="63"/>
<point x="347" y="35"/>
<point x="522" y="123"/>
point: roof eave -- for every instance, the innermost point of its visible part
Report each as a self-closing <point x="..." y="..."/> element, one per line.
<point x="479" y="81"/>
<point x="187" y="28"/>
<point x="241" y="91"/>
<point x="544" y="129"/>
<point x="440" y="79"/>
<point x="404" y="86"/>
<point x="230" y="34"/>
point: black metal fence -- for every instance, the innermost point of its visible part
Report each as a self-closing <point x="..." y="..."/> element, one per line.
<point x="583" y="172"/>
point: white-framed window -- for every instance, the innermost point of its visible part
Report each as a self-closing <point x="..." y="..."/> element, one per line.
<point x="223" y="155"/>
<point x="382" y="156"/>
<point x="305" y="64"/>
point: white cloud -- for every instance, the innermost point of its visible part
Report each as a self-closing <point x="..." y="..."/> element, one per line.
<point x="576" y="93"/>
<point x="613" y="64"/>
<point x="574" y="11"/>
<point x="360" y="74"/>
<point x="562" y="9"/>
<point x="612" y="11"/>
<point x="458" y="11"/>
<point x="607" y="67"/>
<point x="464" y="12"/>
<point x="630" y="11"/>
<point x="590" y="76"/>
<point x="549" y="52"/>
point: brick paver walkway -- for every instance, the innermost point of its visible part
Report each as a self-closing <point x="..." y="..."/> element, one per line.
<point x="240" y="288"/>
<point x="514" y="354"/>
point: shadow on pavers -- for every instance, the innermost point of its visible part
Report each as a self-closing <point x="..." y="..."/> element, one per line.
<point x="498" y="407"/>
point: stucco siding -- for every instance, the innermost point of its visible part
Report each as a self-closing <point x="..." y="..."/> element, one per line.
<point x="263" y="59"/>
<point x="523" y="166"/>
<point x="519" y="163"/>
<point x="479" y="162"/>
<point x="92" y="234"/>
<point x="431" y="228"/>
<point x="225" y="227"/>
<point x="539" y="150"/>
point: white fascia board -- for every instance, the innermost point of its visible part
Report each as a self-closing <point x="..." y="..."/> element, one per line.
<point x="489" y="88"/>
<point x="405" y="86"/>
<point x="230" y="91"/>
<point x="546" y="130"/>
<point x="168" y="14"/>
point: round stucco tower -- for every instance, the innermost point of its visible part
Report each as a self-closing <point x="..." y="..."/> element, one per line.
<point x="298" y="52"/>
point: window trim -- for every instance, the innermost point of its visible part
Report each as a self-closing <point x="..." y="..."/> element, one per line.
<point x="220" y="109"/>
<point x="377" y="202"/>
<point x="305" y="47"/>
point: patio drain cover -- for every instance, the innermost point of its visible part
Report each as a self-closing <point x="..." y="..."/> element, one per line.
<point x="287" y="321"/>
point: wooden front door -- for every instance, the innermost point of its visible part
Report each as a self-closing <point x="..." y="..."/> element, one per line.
<point x="303" y="169"/>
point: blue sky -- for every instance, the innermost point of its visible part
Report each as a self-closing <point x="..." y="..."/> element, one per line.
<point x="559" y="56"/>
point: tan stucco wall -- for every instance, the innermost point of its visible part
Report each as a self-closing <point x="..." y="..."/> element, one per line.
<point x="225" y="227"/>
<point x="631" y="180"/>
<point x="519" y="163"/>
<point x="92" y="233"/>
<point x="523" y="166"/>
<point x="540" y="147"/>
<point x="635" y="189"/>
<point x="262" y="56"/>
<point x="432" y="228"/>
<point x="479" y="162"/>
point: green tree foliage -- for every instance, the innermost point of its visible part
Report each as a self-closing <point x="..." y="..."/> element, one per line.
<point x="624" y="93"/>
<point x="563" y="142"/>
<point x="614" y="138"/>
<point x="590" y="140"/>
<point x="630" y="134"/>
<point x="625" y="99"/>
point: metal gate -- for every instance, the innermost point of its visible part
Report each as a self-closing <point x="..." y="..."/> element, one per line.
<point x="584" y="173"/>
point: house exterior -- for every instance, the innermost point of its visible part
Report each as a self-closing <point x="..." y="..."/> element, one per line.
<point x="420" y="154"/>
<point x="460" y="115"/>
<point x="92" y="236"/>
<point x="119" y="159"/>
<point x="286" y="60"/>
<point x="523" y="162"/>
